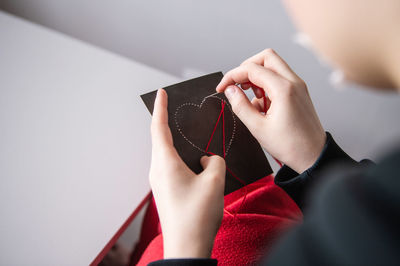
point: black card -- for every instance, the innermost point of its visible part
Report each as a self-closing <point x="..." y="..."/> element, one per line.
<point x="193" y="111"/>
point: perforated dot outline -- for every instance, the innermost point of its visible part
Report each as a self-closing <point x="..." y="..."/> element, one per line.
<point x="199" y="106"/>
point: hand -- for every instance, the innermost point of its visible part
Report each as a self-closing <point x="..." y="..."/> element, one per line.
<point x="190" y="206"/>
<point x="290" y="130"/>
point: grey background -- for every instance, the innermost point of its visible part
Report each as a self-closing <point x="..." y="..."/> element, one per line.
<point x="188" y="38"/>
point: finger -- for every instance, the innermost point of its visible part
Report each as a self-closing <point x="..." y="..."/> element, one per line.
<point x="242" y="107"/>
<point x="160" y="132"/>
<point x="250" y="85"/>
<point x="258" y="92"/>
<point x="256" y="74"/>
<point x="213" y="164"/>
<point x="257" y="104"/>
<point x="260" y="105"/>
<point x="270" y="59"/>
<point x="246" y="86"/>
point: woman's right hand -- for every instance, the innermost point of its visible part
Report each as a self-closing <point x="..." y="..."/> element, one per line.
<point x="290" y="130"/>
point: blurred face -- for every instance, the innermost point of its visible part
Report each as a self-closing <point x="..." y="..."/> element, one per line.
<point x="353" y="35"/>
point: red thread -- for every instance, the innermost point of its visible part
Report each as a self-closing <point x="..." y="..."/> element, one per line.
<point x="278" y="162"/>
<point x="222" y="113"/>
<point x="223" y="128"/>
<point x="265" y="102"/>
<point x="215" y="128"/>
<point x="244" y="186"/>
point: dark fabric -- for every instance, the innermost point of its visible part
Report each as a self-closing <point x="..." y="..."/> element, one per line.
<point x="354" y="220"/>
<point x="185" y="262"/>
<point x="352" y="216"/>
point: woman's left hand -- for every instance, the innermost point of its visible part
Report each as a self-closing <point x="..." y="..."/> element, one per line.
<point x="190" y="206"/>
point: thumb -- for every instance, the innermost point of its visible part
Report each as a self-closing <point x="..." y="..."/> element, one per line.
<point x="243" y="108"/>
<point x="213" y="164"/>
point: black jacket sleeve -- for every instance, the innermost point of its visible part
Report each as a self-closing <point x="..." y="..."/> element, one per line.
<point x="298" y="186"/>
<point x="184" y="262"/>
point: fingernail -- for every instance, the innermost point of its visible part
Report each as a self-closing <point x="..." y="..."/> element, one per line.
<point x="230" y="91"/>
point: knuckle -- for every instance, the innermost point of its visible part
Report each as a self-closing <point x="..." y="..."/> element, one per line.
<point x="288" y="88"/>
<point x="302" y="84"/>
<point x="269" y="51"/>
<point x="254" y="71"/>
<point x="286" y="84"/>
<point x="245" y="64"/>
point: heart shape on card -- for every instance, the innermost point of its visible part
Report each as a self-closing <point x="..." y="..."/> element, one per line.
<point x="196" y="122"/>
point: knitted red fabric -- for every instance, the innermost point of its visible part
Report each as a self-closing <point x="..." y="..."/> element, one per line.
<point x="241" y="240"/>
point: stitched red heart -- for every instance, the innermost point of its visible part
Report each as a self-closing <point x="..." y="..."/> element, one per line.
<point x="196" y="122"/>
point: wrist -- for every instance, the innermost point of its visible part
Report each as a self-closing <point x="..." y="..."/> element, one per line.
<point x="186" y="249"/>
<point x="310" y="156"/>
<point x="187" y="245"/>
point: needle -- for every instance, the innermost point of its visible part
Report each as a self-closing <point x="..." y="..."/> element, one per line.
<point x="212" y="94"/>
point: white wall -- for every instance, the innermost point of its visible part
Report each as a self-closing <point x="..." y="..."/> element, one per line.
<point x="187" y="37"/>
